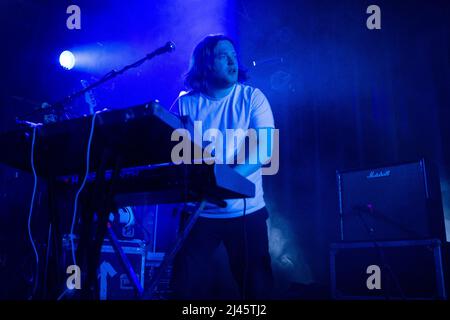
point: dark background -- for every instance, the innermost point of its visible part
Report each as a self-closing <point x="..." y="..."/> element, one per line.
<point x="343" y="96"/>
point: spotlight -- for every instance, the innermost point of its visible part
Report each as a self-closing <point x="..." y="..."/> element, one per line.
<point x="67" y="60"/>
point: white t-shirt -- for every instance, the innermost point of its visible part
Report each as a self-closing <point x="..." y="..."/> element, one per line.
<point x="243" y="108"/>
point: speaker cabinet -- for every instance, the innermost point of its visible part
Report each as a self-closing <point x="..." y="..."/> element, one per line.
<point x="397" y="202"/>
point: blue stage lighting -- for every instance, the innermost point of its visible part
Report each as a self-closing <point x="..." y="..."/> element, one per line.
<point x="67" y="60"/>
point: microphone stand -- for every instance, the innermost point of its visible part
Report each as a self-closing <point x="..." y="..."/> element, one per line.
<point x="91" y="251"/>
<point x="59" y="105"/>
<point x="381" y="255"/>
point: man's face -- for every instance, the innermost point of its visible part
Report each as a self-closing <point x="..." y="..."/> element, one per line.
<point x="225" y="66"/>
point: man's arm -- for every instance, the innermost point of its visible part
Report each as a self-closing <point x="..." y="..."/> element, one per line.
<point x="261" y="151"/>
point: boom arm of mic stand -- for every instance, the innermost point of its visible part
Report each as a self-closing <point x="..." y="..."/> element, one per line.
<point x="113" y="73"/>
<point x="110" y="75"/>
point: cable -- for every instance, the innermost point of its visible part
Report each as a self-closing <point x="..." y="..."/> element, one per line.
<point x="244" y="285"/>
<point x="77" y="195"/>
<point x="31" y="211"/>
<point x="383" y="261"/>
<point x="62" y="295"/>
<point x="155" y="228"/>
<point x="173" y="104"/>
<point x="82" y="186"/>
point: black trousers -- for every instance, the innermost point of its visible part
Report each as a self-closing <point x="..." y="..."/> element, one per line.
<point x="246" y="242"/>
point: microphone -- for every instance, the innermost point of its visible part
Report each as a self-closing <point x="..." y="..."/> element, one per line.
<point x="168" y="47"/>
<point x="267" y="61"/>
<point x="27" y="123"/>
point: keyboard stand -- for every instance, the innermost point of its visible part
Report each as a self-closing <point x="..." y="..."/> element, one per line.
<point x="168" y="258"/>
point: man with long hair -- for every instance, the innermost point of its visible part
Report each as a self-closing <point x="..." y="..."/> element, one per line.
<point x="219" y="99"/>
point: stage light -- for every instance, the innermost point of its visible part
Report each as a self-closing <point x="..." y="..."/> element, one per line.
<point x="67" y="60"/>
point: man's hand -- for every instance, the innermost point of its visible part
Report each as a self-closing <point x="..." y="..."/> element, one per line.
<point x="247" y="166"/>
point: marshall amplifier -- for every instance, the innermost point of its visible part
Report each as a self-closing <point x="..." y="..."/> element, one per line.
<point x="397" y="202"/>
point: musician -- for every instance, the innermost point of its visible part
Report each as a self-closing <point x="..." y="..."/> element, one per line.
<point x="219" y="99"/>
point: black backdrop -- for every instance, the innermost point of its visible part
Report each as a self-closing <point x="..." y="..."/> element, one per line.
<point x="345" y="97"/>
